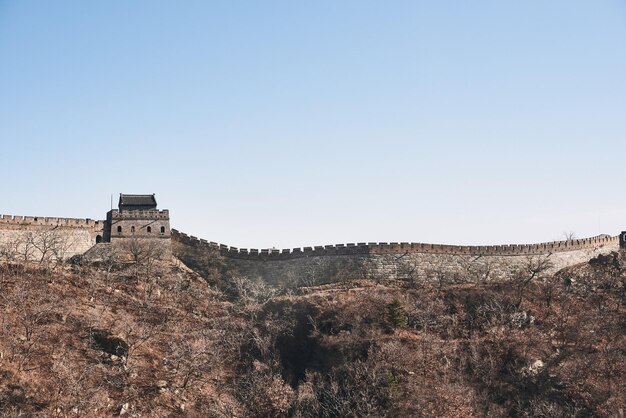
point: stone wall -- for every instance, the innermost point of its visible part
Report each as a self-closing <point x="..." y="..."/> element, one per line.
<point x="137" y="223"/>
<point x="65" y="237"/>
<point x="61" y="238"/>
<point x="309" y="265"/>
<point x="412" y="261"/>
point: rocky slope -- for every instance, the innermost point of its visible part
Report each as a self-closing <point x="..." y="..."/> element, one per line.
<point x="164" y="340"/>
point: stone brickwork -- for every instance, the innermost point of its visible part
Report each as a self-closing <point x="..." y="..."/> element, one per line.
<point x="400" y="260"/>
<point x="142" y="224"/>
<point x="64" y="236"/>
<point x="22" y="222"/>
<point x="139" y="222"/>
<point x="137" y="226"/>
<point x="412" y="261"/>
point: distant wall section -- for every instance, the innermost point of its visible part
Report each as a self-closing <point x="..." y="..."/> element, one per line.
<point x="412" y="261"/>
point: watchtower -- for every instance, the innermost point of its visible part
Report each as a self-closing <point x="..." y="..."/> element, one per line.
<point x="137" y="216"/>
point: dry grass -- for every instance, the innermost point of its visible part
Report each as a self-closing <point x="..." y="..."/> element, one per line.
<point x="79" y="341"/>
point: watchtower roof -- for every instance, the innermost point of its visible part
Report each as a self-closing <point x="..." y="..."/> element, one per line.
<point x="137" y="202"/>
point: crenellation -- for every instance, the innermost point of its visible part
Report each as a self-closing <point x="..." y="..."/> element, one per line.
<point x="140" y="218"/>
<point x="38" y="221"/>
<point x="77" y="234"/>
<point x="382" y="257"/>
<point x="140" y="214"/>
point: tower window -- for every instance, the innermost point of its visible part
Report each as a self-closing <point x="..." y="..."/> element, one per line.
<point x="149" y="229"/>
<point x="163" y="230"/>
<point x="132" y="229"/>
<point x="119" y="229"/>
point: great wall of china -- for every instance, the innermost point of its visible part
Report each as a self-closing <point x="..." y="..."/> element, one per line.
<point x="78" y="235"/>
<point x="335" y="262"/>
<point x="396" y="260"/>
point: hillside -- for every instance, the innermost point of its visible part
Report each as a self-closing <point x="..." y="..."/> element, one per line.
<point x="165" y="340"/>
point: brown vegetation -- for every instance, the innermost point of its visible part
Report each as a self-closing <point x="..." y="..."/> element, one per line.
<point x="147" y="338"/>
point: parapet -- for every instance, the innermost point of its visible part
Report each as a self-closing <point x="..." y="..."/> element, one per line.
<point x="49" y="221"/>
<point x="140" y="214"/>
<point x="394" y="248"/>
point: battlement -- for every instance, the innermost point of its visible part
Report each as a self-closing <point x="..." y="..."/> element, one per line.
<point x="381" y="248"/>
<point x="50" y="221"/>
<point x="140" y="214"/>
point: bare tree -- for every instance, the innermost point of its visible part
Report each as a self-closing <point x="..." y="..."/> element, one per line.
<point x="533" y="268"/>
<point x="569" y="236"/>
<point x="49" y="245"/>
<point x="33" y="309"/>
<point x="110" y="260"/>
<point x="439" y="272"/>
<point x="191" y="360"/>
<point x="24" y="246"/>
<point x="62" y="245"/>
<point x="250" y="293"/>
<point x="44" y="246"/>
<point x="10" y="249"/>
<point x="141" y="253"/>
<point x="78" y="392"/>
<point x="137" y="335"/>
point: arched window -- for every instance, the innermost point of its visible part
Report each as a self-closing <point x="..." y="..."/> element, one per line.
<point x="149" y="229"/>
<point x="119" y="229"/>
<point x="98" y="239"/>
<point x="163" y="230"/>
<point x="132" y="229"/>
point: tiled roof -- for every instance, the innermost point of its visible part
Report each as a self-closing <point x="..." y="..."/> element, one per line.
<point x="137" y="200"/>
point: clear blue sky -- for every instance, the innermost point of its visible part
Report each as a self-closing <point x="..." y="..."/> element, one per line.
<point x="292" y="123"/>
